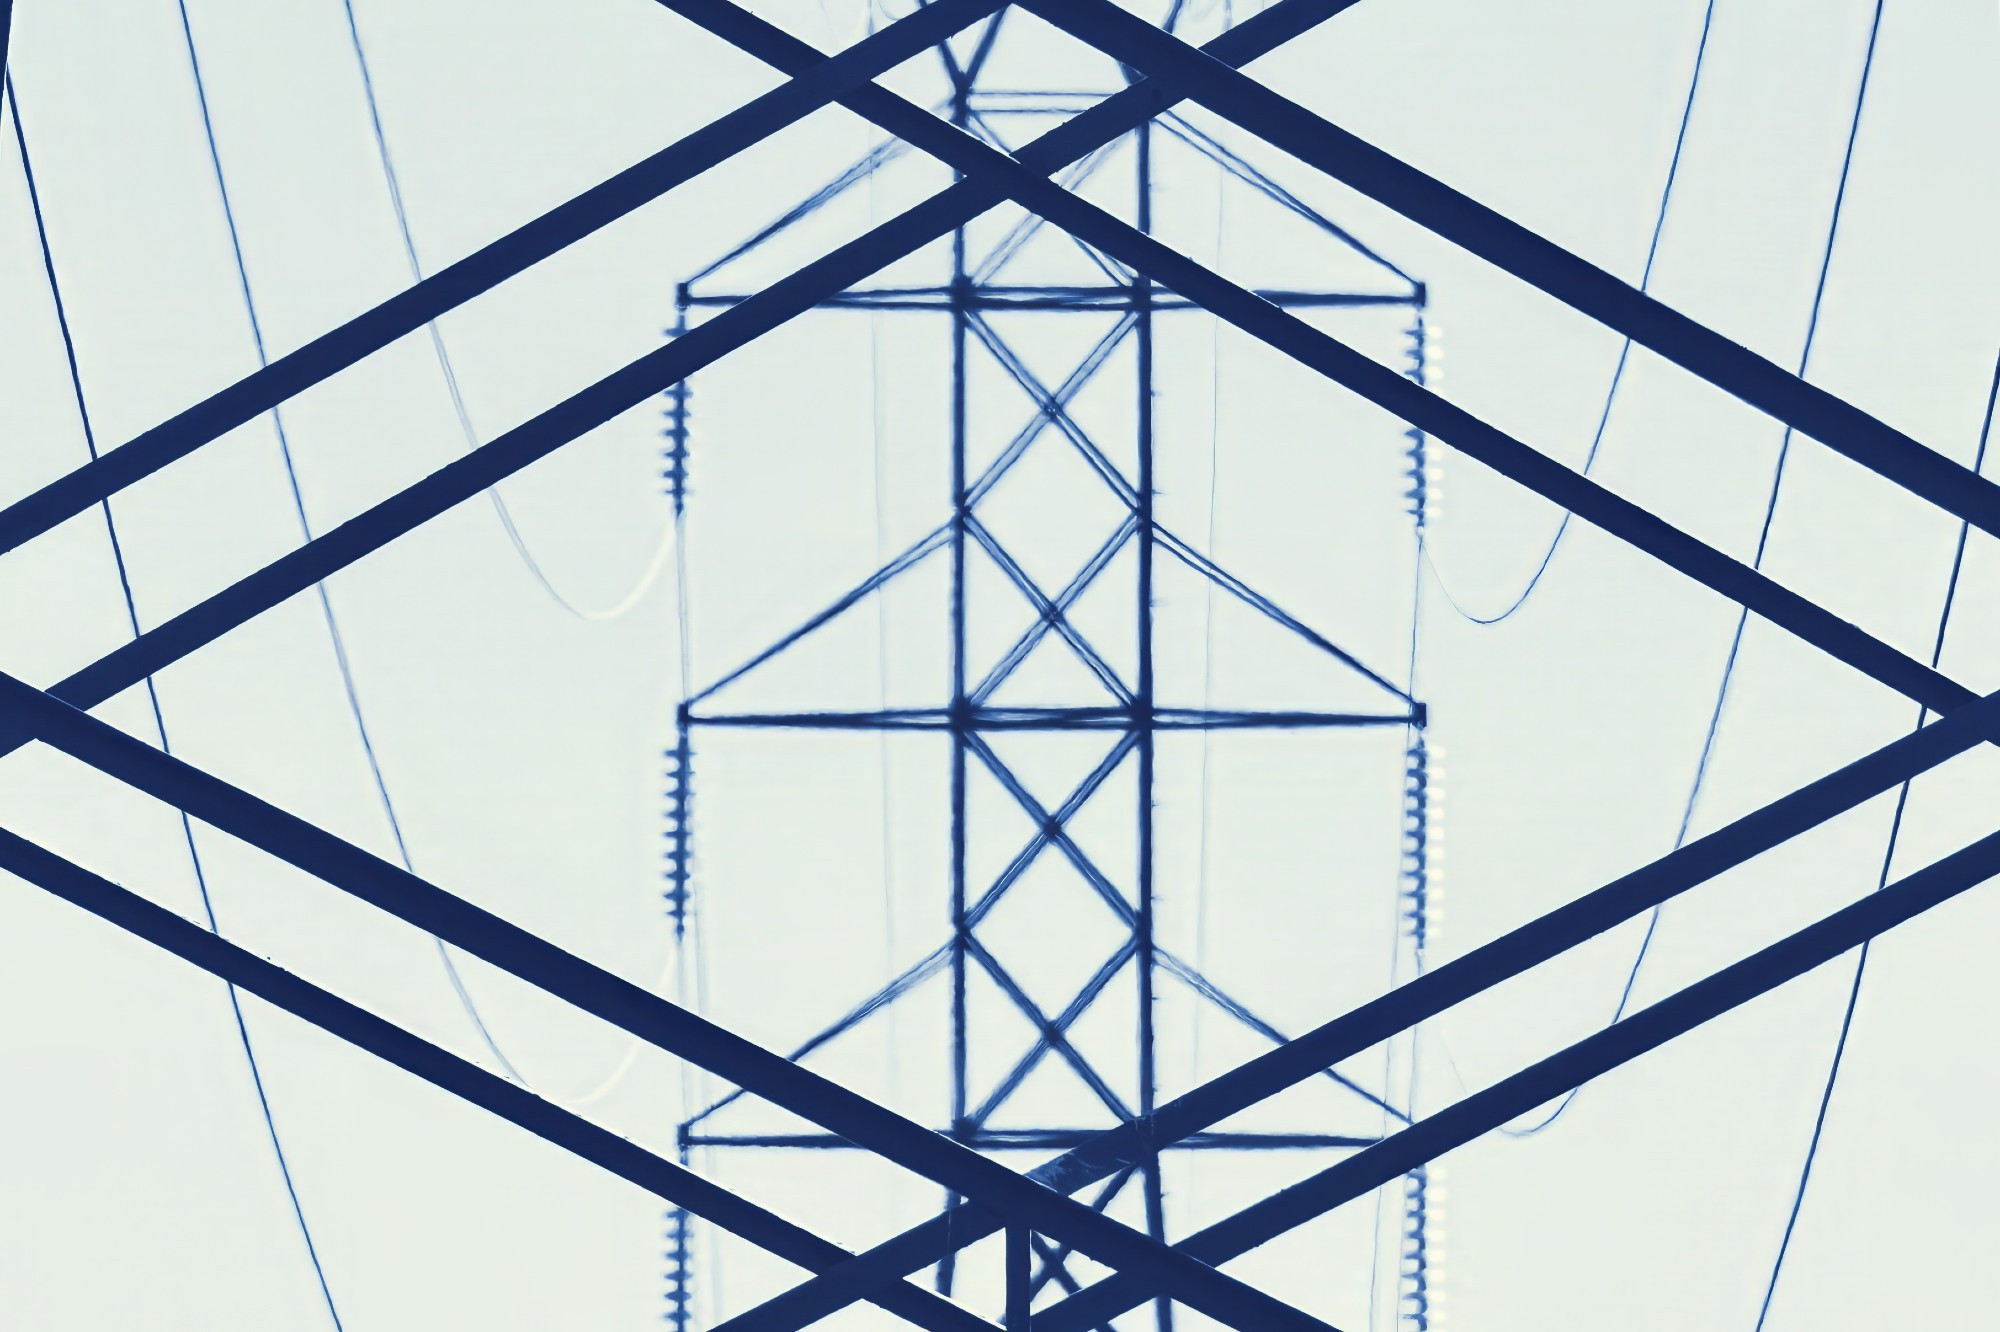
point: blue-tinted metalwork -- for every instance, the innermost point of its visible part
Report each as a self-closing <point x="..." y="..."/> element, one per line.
<point x="1415" y="1259"/>
<point x="1121" y="704"/>
<point x="679" y="832"/>
<point x="1045" y="1225"/>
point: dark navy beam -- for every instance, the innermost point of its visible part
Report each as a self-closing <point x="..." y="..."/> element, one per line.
<point x="450" y="287"/>
<point x="1053" y="719"/>
<point x="250" y="397"/>
<point x="648" y="1016"/>
<point x="1464" y="221"/>
<point x="1057" y="298"/>
<point x="1595" y="1055"/>
<point x="841" y="268"/>
<point x="1402" y="397"/>
<point x="1360" y="1029"/>
<point x="462" y="1078"/>
<point x="1045" y="1140"/>
<point x="639" y="380"/>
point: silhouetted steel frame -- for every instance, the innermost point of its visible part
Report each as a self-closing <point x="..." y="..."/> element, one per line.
<point x="1429" y="995"/>
<point x="416" y="902"/>
<point x="839" y="269"/>
<point x="6" y="30"/>
<point x="1507" y="245"/>
<point x="462" y="1078"/>
<point x="647" y="1016"/>
<point x="1135" y="712"/>
<point x="1836" y="424"/>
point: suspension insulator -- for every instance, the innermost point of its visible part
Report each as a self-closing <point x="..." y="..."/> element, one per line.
<point x="1417" y="368"/>
<point x="680" y="1271"/>
<point x="677" y="430"/>
<point x="1418" y="1272"/>
<point x="679" y="832"/>
<point x="1417" y="852"/>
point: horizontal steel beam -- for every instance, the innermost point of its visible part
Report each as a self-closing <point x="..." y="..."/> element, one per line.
<point x="1055" y="719"/>
<point x="989" y="298"/>
<point x="1044" y="1140"/>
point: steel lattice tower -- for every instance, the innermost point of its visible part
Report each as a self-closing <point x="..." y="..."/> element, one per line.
<point x="991" y="727"/>
<point x="1116" y="701"/>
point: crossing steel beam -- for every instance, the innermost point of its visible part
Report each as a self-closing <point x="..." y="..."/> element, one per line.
<point x="1592" y="1057"/>
<point x="1512" y="954"/>
<point x="652" y="1019"/>
<point x="989" y="174"/>
<point x="483" y="269"/>
<point x="1039" y="1200"/>
<point x="1508" y="245"/>
<point x="462" y="1078"/>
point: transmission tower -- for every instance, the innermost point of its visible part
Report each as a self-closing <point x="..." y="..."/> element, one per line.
<point x="1036" y="662"/>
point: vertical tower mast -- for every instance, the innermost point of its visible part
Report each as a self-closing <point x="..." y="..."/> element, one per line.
<point x="1014" y="718"/>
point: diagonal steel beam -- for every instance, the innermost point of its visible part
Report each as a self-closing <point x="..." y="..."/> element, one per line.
<point x="1052" y="1033"/>
<point x="1344" y="365"/>
<point x="1595" y="1055"/>
<point x="637" y="381"/>
<point x="1047" y="611"/>
<point x="1056" y="610"/>
<point x="1045" y="414"/>
<point x="1432" y="204"/>
<point x="823" y="1102"/>
<point x="1058" y="1027"/>
<point x="462" y="1078"/>
<point x="1055" y="413"/>
<point x="1420" y="1000"/>
<point x="614" y="198"/>
<point x="812" y="88"/>
<point x="995" y="174"/>
<point x="912" y="977"/>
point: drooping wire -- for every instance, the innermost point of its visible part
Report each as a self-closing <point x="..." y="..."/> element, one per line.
<point x="1204" y="855"/>
<point x="641" y="587"/>
<point x="656" y="563"/>
<point x="1881" y="882"/>
<point x="159" y="715"/>
<point x="1763" y="543"/>
<point x="334" y="635"/>
<point x="885" y="746"/>
<point x="1624" y="351"/>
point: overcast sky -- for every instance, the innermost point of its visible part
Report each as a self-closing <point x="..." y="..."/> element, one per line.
<point x="521" y="743"/>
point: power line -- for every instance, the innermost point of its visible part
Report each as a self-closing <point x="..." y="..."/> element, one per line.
<point x="1702" y="764"/>
<point x="334" y="635"/>
<point x="1881" y="882"/>
<point x="1624" y="349"/>
<point x="158" y="713"/>
<point x="657" y="561"/>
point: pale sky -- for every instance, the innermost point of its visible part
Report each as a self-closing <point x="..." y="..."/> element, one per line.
<point x="522" y="744"/>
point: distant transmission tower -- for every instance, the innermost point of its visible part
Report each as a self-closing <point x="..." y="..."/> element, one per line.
<point x="1052" y="679"/>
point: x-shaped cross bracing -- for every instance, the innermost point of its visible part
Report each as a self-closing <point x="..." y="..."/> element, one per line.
<point x="988" y="176"/>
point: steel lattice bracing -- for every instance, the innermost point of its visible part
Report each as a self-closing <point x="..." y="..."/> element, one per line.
<point x="1036" y="1204"/>
<point x="1005" y="702"/>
